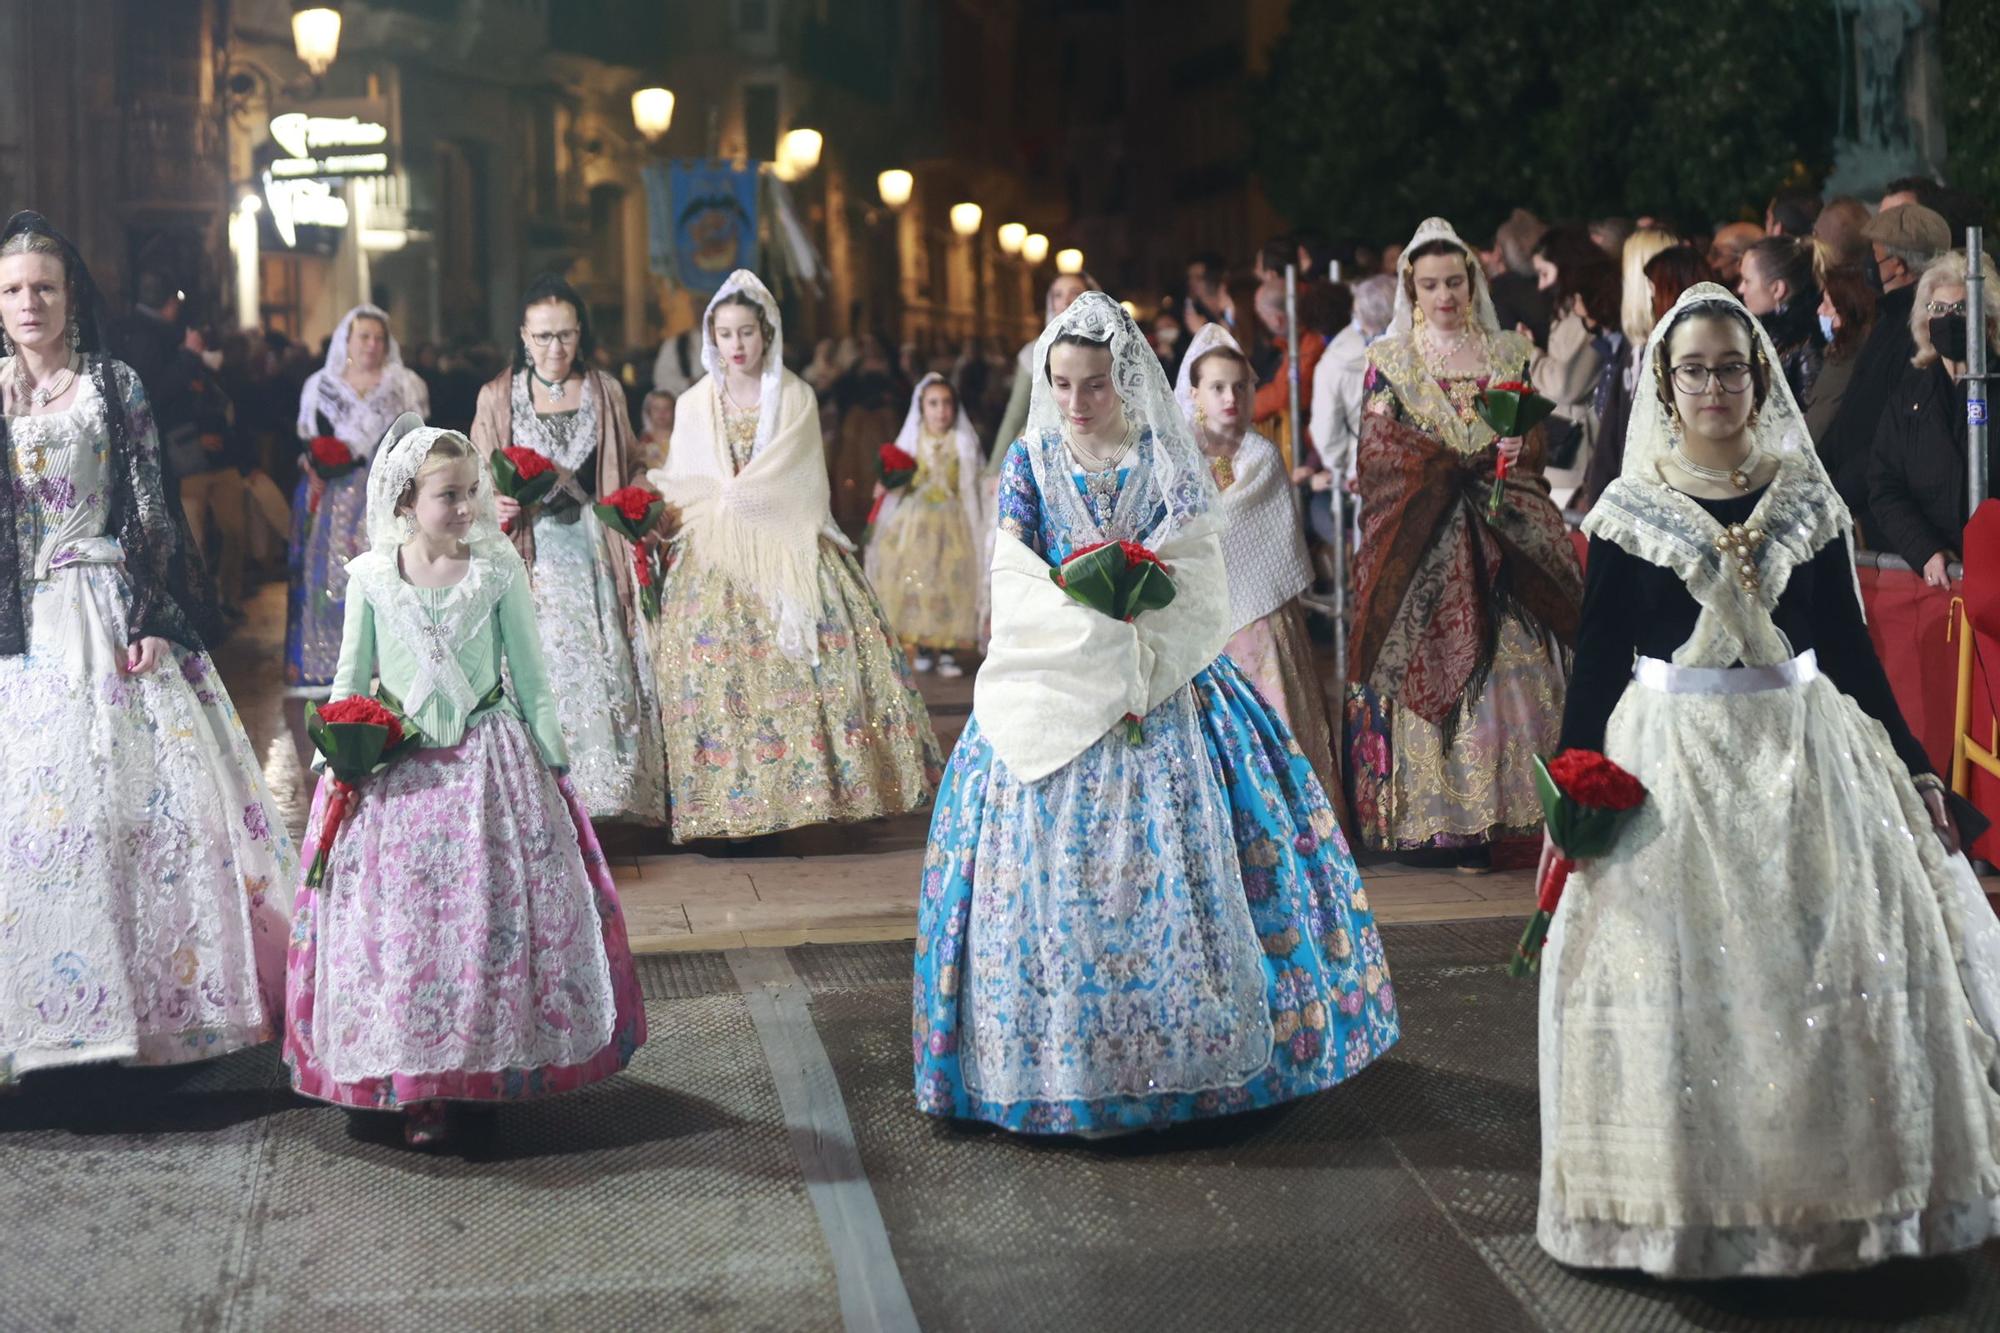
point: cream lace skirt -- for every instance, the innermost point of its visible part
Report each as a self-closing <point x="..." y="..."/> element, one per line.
<point x="1767" y="1017"/>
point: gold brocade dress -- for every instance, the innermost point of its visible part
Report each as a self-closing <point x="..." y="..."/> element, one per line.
<point x="1412" y="787"/>
<point x="923" y="561"/>
<point x="759" y="742"/>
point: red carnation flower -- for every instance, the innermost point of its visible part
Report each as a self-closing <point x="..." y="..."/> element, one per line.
<point x="634" y="502"/>
<point x="361" y="708"/>
<point x="1510" y="386"/>
<point x="1136" y="555"/>
<point x="527" y="462"/>
<point x="893" y="459"/>
<point x="328" y="452"/>
<point x="1589" y="779"/>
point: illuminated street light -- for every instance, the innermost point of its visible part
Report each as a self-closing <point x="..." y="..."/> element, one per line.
<point x="316" y="36"/>
<point x="249" y="203"/>
<point x="801" y="149"/>
<point x="895" y="186"/>
<point x="965" y="219"/>
<point x="1129" y="308"/>
<point x="1011" y="235"/>
<point x="652" y="111"/>
<point x="784" y="170"/>
<point x="1069" y="261"/>
<point x="1035" y="248"/>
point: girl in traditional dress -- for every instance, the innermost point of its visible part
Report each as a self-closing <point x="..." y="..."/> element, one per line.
<point x="1463" y="615"/>
<point x="466" y="943"/>
<point x="787" y="699"/>
<point x="1768" y="1013"/>
<point x="362" y="388"/>
<point x="1263" y="546"/>
<point x="593" y="630"/>
<point x="145" y="875"/>
<point x="1118" y="932"/>
<point x="925" y="560"/>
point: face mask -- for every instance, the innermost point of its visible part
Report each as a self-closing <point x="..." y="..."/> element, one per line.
<point x="213" y="360"/>
<point x="1826" y="327"/>
<point x="1948" y="336"/>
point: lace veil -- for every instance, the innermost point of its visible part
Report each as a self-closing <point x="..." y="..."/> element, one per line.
<point x="1212" y="336"/>
<point x="1437" y="229"/>
<point x="1167" y="445"/>
<point x="336" y="350"/>
<point x="745" y="283"/>
<point x="398" y="459"/>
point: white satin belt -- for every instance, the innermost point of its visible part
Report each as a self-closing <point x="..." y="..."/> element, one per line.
<point x="1667" y="678"/>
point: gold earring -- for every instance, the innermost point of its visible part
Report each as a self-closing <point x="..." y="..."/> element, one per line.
<point x="1417" y="315"/>
<point x="1200" y="416"/>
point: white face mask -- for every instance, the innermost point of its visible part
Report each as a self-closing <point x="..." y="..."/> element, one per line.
<point x="212" y="359"/>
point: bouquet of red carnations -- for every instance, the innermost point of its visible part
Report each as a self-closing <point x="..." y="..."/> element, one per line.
<point x="898" y="470"/>
<point x="1511" y="409"/>
<point x="360" y="737"/>
<point x="523" y="476"/>
<point x="1586" y="799"/>
<point x="330" y="457"/>
<point x="631" y="512"/>
<point x="1120" y="580"/>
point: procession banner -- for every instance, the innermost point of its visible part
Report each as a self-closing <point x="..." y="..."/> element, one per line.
<point x="712" y="214"/>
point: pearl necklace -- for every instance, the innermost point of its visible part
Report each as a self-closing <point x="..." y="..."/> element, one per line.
<point x="1738" y="476"/>
<point x="1437" y="358"/>
<point x="1090" y="462"/>
<point x="41" y="395"/>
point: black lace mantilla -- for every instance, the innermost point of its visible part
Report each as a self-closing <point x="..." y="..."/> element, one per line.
<point x="172" y="595"/>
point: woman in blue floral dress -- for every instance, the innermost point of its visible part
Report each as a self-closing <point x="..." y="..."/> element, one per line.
<point x="1120" y="933"/>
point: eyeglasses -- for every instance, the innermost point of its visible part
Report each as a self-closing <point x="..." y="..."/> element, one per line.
<point x="567" y="337"/>
<point x="1945" y="307"/>
<point x="1693" y="378"/>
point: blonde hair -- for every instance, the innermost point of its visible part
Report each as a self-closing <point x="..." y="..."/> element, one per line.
<point x="1950" y="267"/>
<point x="448" y="448"/>
<point x="1635" y="303"/>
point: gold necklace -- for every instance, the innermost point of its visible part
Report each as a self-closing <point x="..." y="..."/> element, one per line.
<point x="1090" y="462"/>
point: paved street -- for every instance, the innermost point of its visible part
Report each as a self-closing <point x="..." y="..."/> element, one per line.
<point x="761" y="1164"/>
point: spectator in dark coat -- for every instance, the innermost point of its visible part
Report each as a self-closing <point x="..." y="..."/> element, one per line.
<point x="1918" y="481"/>
<point x="1905" y="239"/>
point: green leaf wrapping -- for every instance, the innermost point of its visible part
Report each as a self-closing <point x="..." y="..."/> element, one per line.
<point x="1093" y="578"/>
<point x="1580" y="831"/>
<point x="1512" y="414"/>
<point x="524" y="493"/>
<point x="355" y="750"/>
<point x="1146" y="588"/>
<point x="611" y="516"/>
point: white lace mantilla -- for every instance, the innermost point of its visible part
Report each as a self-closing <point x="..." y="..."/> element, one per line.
<point x="434" y="637"/>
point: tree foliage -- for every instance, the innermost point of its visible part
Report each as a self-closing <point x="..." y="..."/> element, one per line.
<point x="1972" y="100"/>
<point x="1379" y="113"/>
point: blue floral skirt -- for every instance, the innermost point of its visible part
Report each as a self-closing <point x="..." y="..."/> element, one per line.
<point x="1160" y="931"/>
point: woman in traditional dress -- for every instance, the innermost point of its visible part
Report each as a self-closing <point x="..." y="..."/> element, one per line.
<point x="1121" y="930"/>
<point x="787" y="699"/>
<point x="1263" y="545"/>
<point x="925" y="560"/>
<point x="362" y="388"/>
<point x="594" y="633"/>
<point x="1464" y="616"/>
<point x="1768" y="1013"/>
<point x="466" y="943"/>
<point x="145" y="876"/>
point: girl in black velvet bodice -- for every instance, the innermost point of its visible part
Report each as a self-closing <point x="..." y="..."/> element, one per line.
<point x="1632" y="607"/>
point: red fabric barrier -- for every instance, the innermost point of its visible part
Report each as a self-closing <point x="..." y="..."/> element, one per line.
<point x="1909" y="622"/>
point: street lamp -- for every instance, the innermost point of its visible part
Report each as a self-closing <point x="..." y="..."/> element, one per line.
<point x="784" y="169"/>
<point x="652" y="112"/>
<point x="315" y="35"/>
<point x="801" y="148"/>
<point x="965" y="219"/>
<point x="1069" y="261"/>
<point x="1035" y="247"/>
<point x="1011" y="236"/>
<point x="895" y="186"/>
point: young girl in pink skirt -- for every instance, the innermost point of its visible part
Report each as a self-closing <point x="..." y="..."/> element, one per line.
<point x="465" y="943"/>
